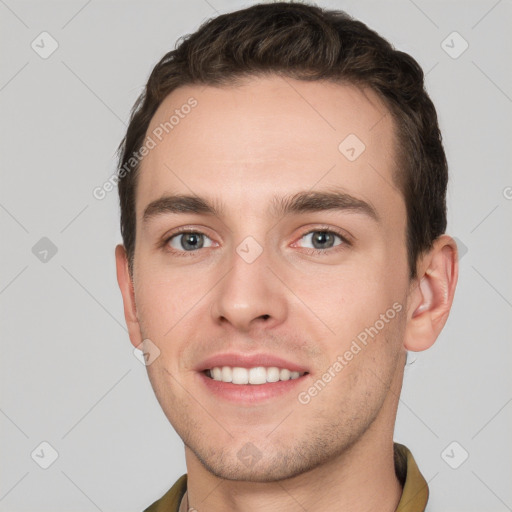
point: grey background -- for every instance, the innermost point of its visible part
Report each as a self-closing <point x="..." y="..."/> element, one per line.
<point x="68" y="373"/>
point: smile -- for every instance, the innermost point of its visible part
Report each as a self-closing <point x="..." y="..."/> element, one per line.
<point x="256" y="375"/>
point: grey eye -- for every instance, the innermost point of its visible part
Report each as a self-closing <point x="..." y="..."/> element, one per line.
<point x="189" y="241"/>
<point x="322" y="239"/>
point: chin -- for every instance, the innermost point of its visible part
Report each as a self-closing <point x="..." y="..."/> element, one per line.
<point x="262" y="474"/>
<point x="280" y="466"/>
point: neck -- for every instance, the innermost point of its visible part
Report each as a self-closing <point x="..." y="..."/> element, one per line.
<point x="361" y="479"/>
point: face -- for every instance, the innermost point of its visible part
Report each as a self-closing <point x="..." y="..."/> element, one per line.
<point x="292" y="256"/>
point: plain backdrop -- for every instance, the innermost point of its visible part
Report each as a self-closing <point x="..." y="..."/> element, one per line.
<point x="69" y="377"/>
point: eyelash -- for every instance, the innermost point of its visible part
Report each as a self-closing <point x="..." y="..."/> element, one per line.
<point x="316" y="252"/>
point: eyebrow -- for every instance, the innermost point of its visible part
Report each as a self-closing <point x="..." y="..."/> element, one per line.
<point x="299" y="203"/>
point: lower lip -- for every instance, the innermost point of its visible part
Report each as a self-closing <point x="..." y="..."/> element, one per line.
<point x="250" y="393"/>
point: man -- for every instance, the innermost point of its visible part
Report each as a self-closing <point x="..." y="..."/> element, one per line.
<point x="282" y="186"/>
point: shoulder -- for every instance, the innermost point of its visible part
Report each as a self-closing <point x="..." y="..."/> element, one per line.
<point x="415" y="488"/>
<point x="170" y="501"/>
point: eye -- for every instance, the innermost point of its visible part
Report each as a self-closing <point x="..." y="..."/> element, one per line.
<point x="321" y="240"/>
<point x="188" y="241"/>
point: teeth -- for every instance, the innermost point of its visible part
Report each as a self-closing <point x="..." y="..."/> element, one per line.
<point x="240" y="376"/>
<point x="285" y="374"/>
<point x="257" y="375"/>
<point x="227" y="374"/>
<point x="273" y="374"/>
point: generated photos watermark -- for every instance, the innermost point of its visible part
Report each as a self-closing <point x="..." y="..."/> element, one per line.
<point x="357" y="345"/>
<point x="150" y="143"/>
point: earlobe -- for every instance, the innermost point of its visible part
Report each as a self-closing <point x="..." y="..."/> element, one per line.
<point x="432" y="294"/>
<point x="125" y="283"/>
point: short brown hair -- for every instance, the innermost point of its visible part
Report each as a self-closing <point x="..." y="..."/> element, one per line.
<point x="305" y="42"/>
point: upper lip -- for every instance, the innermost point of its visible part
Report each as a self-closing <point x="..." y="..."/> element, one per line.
<point x="248" y="361"/>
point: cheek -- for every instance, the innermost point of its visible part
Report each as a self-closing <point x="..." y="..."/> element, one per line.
<point x="350" y="298"/>
<point x="170" y="307"/>
<point x="158" y="304"/>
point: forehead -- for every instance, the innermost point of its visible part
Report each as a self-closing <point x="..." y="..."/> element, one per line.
<point x="266" y="136"/>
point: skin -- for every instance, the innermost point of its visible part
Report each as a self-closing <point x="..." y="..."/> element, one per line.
<point x="243" y="145"/>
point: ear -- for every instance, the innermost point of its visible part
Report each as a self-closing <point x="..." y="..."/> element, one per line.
<point x="431" y="294"/>
<point x="126" y="286"/>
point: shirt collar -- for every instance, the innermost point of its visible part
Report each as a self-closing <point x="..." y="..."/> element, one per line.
<point x="414" y="486"/>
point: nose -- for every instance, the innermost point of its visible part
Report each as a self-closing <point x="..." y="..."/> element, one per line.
<point x="249" y="296"/>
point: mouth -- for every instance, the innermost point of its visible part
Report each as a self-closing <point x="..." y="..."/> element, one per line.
<point x="249" y="387"/>
<point x="256" y="375"/>
<point x="247" y="379"/>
